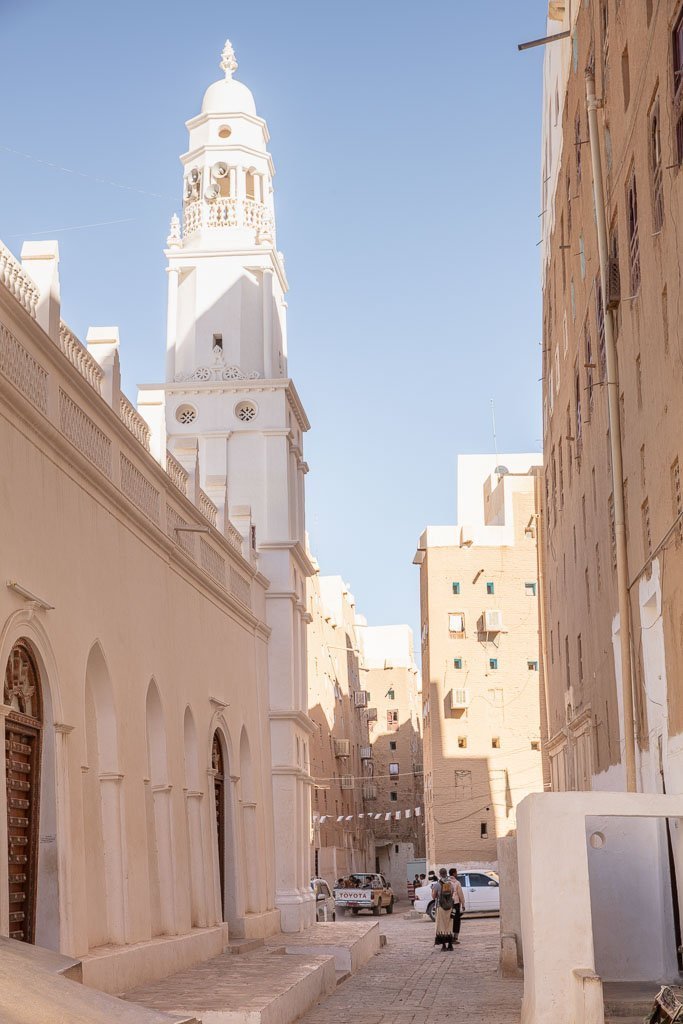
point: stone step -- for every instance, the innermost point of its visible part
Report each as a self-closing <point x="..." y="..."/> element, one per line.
<point x="351" y="943"/>
<point x="263" y="987"/>
<point x="239" y="946"/>
<point x="34" y="986"/>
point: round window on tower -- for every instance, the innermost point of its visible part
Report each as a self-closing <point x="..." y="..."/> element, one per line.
<point x="186" y="414"/>
<point x="224" y="132"/>
<point x="245" y="411"/>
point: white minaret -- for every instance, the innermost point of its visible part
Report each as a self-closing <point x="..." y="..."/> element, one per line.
<point x="227" y="391"/>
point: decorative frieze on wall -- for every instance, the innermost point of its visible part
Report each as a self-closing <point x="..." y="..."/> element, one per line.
<point x="219" y="370"/>
<point x="184" y="540"/>
<point x="84" y="434"/>
<point x="137" y="487"/>
<point x="19" y="366"/>
<point x="212" y="562"/>
<point x="240" y="587"/>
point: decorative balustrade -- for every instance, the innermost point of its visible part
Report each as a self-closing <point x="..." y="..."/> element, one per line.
<point x="178" y="475"/>
<point x="78" y="356"/>
<point x="228" y="212"/>
<point x="17" y="281"/>
<point x="234" y="537"/>
<point x="207" y="508"/>
<point x="134" y="421"/>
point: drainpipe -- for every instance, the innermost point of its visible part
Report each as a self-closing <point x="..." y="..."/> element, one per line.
<point x="614" y="431"/>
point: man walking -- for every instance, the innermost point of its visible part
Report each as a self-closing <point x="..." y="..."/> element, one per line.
<point x="442" y="894"/>
<point x="458" y="903"/>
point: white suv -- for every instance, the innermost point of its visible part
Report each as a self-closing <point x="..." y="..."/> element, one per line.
<point x="481" y="890"/>
<point x="324" y="900"/>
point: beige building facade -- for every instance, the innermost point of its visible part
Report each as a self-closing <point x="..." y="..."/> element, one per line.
<point x="392" y="680"/>
<point x="340" y="750"/>
<point x="625" y="174"/>
<point x="482" y="670"/>
<point x="136" y="821"/>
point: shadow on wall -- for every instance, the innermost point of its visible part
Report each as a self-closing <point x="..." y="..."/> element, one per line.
<point x="408" y="785"/>
<point x="464" y="797"/>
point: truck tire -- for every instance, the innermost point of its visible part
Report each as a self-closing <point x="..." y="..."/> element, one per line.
<point x="355" y="911"/>
<point x="375" y="911"/>
<point x="390" y="908"/>
<point x="431" y="911"/>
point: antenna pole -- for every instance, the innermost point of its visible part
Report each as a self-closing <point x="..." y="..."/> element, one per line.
<point x="495" y="439"/>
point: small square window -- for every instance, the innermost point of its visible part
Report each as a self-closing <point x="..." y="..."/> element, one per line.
<point x="493" y="664"/>
<point x="495" y="742"/>
<point x="393" y="796"/>
<point x="457" y="662"/>
<point x="392" y="744"/>
<point x="490" y="589"/>
<point x="535" y="744"/>
<point x="456" y="587"/>
<point x="530" y="589"/>
<point x="484" y="830"/>
<point x="462" y="742"/>
<point x="532" y="666"/>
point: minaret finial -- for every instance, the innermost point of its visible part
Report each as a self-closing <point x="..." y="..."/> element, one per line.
<point x="228" y="60"/>
<point x="174" y="240"/>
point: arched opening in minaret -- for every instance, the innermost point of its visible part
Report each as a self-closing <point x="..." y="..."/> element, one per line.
<point x="250" y="185"/>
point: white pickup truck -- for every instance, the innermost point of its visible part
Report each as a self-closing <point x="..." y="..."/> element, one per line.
<point x="369" y="892"/>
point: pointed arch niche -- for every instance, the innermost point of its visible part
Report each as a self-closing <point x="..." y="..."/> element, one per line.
<point x="251" y="839"/>
<point x="159" y="824"/>
<point x="103" y="819"/>
<point x="193" y="818"/>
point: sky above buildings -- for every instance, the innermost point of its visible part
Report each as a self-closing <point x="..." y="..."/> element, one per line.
<point x="406" y="144"/>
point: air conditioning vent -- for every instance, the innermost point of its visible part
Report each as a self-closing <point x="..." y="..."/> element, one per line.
<point x="493" y="620"/>
<point x="360" y="699"/>
<point x="366" y="753"/>
<point x="460" y="699"/>
<point x="342" y="748"/>
<point x="347" y="782"/>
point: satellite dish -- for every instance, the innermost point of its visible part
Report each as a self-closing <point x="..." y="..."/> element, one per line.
<point x="501" y="470"/>
<point x="219" y="170"/>
<point x="212" y="193"/>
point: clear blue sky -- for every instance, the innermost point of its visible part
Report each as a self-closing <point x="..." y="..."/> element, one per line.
<point x="406" y="142"/>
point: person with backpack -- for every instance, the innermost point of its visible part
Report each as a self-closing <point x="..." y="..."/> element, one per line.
<point x="458" y="903"/>
<point x="443" y="895"/>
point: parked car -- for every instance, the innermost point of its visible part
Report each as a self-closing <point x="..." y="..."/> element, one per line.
<point x="481" y="890"/>
<point x="324" y="900"/>
<point x="368" y="892"/>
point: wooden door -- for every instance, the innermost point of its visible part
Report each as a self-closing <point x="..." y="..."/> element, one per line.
<point x="219" y="797"/>
<point x="22" y="759"/>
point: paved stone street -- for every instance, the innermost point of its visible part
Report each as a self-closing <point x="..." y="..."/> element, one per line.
<point x="412" y="982"/>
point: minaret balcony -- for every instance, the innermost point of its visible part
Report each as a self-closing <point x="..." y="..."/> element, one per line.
<point x="229" y="212"/>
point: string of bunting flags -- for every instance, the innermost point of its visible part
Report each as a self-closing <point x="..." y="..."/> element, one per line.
<point x="320" y="819"/>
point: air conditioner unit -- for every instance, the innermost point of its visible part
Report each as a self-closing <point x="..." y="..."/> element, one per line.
<point x="613" y="283"/>
<point x="372" y="714"/>
<point x="360" y="699"/>
<point x="460" y="699"/>
<point x="342" y="748"/>
<point x="347" y="782"/>
<point x="493" y="620"/>
<point x="366" y="753"/>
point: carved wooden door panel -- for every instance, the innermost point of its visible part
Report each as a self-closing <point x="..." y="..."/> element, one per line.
<point x="219" y="797"/>
<point x="22" y="761"/>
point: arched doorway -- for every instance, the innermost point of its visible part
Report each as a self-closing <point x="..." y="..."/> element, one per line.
<point x="23" y="738"/>
<point x="218" y="766"/>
